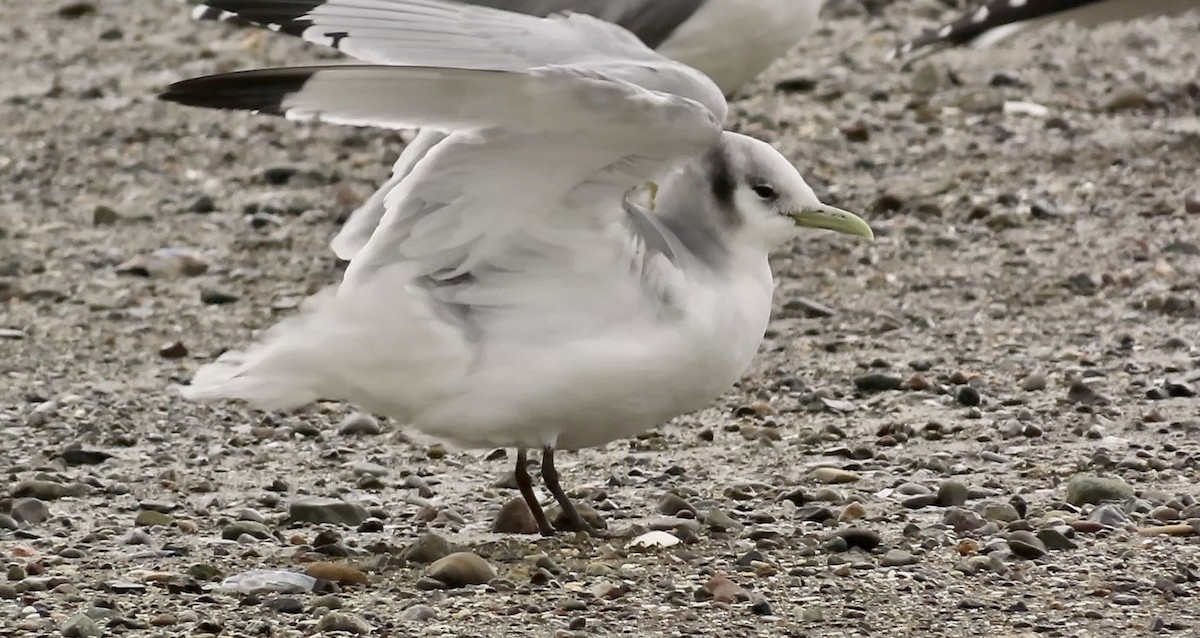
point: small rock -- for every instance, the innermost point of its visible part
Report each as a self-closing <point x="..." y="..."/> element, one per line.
<point x="864" y="539"/>
<point x="339" y="573"/>
<point x="853" y="512"/>
<point x="1125" y="98"/>
<point x="1109" y="516"/>
<point x="173" y="350"/>
<point x="1034" y="383"/>
<point x="318" y="510"/>
<point x="834" y="476"/>
<point x="1026" y="545"/>
<point x="1191" y="203"/>
<point x="371" y="525"/>
<point x="150" y="518"/>
<point x="284" y="605"/>
<point x="1125" y="599"/>
<point x="559" y="520"/>
<point x="344" y="622"/>
<point x="1084" y="394"/>
<point x="969" y="396"/>
<point x="515" y="517"/>
<point x="165" y="263"/>
<point x="952" y="494"/>
<point x="724" y="590"/>
<point x="268" y="580"/>
<point x="920" y="501"/>
<point x="1001" y="512"/>
<point x="215" y="297"/>
<point x="237" y="529"/>
<point x="104" y="216"/>
<point x="654" y="539"/>
<point x="1177" y="529"/>
<point x="1055" y="539"/>
<point x="428" y="549"/>
<point x="49" y="490"/>
<point x="164" y="620"/>
<point x="81" y="626"/>
<point x="878" y="382"/>
<point x="963" y="520"/>
<point x="672" y="504"/>
<point x="897" y="558"/>
<point x="30" y="510"/>
<point x="461" y="569"/>
<point x="203" y="204"/>
<point x="814" y="513"/>
<point x="1089" y="489"/>
<point x="418" y="613"/>
<point x="359" y="424"/>
<point x="328" y="601"/>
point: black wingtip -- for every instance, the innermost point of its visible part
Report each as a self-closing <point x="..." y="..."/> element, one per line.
<point x="261" y="91"/>
<point x="285" y="15"/>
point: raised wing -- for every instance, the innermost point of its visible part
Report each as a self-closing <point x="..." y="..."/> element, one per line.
<point x="653" y="21"/>
<point x="539" y="152"/>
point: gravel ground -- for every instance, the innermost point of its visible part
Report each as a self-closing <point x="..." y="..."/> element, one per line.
<point x="984" y="423"/>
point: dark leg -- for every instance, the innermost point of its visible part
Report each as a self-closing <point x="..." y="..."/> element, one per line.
<point x="550" y="479"/>
<point x="525" y="484"/>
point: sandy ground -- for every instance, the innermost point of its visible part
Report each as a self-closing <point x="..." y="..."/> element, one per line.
<point x="1029" y="313"/>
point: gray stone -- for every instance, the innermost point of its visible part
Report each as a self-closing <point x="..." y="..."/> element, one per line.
<point x="30" y="510"/>
<point x="418" y="613"/>
<point x="1109" y="516"/>
<point x="1055" y="538"/>
<point x="461" y="569"/>
<point x="428" y="549"/>
<point x="952" y="494"/>
<point x="1026" y="545"/>
<point x="1090" y="489"/>
<point x="237" y="529"/>
<point x="360" y="424"/>
<point x="344" y="622"/>
<point x="897" y="558"/>
<point x="80" y="626"/>
<point x="318" y="510"/>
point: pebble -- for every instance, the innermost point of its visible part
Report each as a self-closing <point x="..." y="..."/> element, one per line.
<point x="1109" y="516"/>
<point x="165" y="263"/>
<point x="268" y="580"/>
<point x="1191" y="203"/>
<point x="897" y="558"/>
<point x="1125" y="98"/>
<point x="318" y="510"/>
<point x="284" y="605"/>
<point x="724" y="590"/>
<point x="340" y="573"/>
<point x="164" y="620"/>
<point x="852" y="512"/>
<point x="814" y="513"/>
<point x="203" y="204"/>
<point x="920" y="501"/>
<point x="589" y="514"/>
<point x="878" y="382"/>
<point x="1034" y="383"/>
<point x="672" y="504"/>
<point x="1178" y="529"/>
<point x="216" y="297"/>
<point x="427" y="549"/>
<point x="515" y="517"/>
<point x="1090" y="489"/>
<point x="49" y="490"/>
<point x="461" y="569"/>
<point x="1001" y="512"/>
<point x="418" y="613"/>
<point x="1026" y="545"/>
<point x="360" y="424"/>
<point x="861" y="538"/>
<point x="237" y="529"/>
<point x="952" y="494"/>
<point x="1084" y="394"/>
<point x="80" y="626"/>
<point x="151" y="518"/>
<point x="963" y="520"/>
<point x="371" y="525"/>
<point x="968" y="395"/>
<point x="834" y="476"/>
<point x="29" y="510"/>
<point x="1054" y="538"/>
<point x="328" y="601"/>
<point x="344" y="622"/>
<point x="654" y="539"/>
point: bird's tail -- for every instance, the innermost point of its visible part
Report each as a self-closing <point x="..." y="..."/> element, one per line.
<point x="380" y="345"/>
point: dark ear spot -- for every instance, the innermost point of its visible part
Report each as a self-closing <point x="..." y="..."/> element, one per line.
<point x="721" y="177"/>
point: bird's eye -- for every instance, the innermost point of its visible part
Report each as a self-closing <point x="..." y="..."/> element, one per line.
<point x="765" y="192"/>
